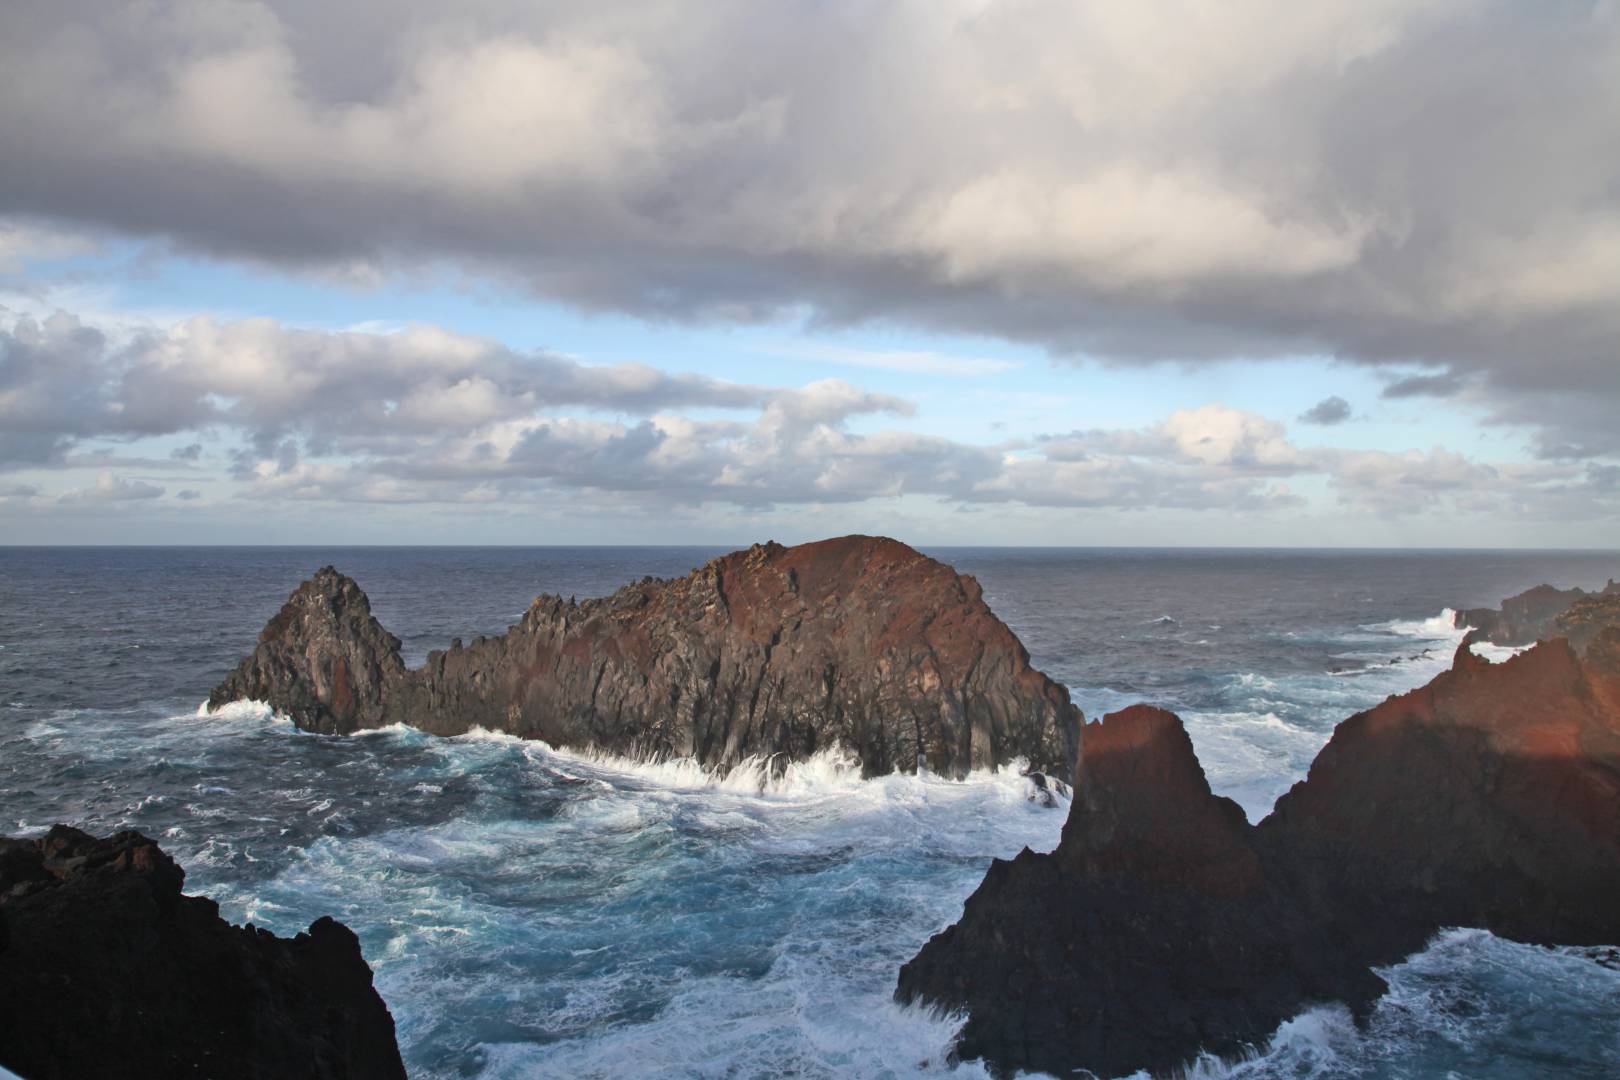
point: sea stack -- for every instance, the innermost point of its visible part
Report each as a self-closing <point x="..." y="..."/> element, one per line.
<point x="772" y="652"/>
<point x="1164" y="925"/>
<point x="107" y="970"/>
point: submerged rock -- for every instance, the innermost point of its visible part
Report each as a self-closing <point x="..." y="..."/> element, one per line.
<point x="859" y="642"/>
<point x="1164" y="924"/>
<point x="107" y="970"/>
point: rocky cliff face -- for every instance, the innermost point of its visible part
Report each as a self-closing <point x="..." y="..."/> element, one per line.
<point x="106" y="970"/>
<point x="1164" y="924"/>
<point x="859" y="642"/>
<point x="1583" y="620"/>
<point x="1533" y="615"/>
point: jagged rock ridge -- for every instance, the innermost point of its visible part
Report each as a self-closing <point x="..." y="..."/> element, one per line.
<point x="1164" y="924"/>
<point x="107" y="970"/>
<point x="1535" y="614"/>
<point x="858" y="642"/>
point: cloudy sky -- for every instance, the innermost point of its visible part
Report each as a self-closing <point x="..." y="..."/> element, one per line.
<point x="959" y="271"/>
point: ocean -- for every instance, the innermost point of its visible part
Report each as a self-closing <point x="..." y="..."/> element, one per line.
<point x="534" y="912"/>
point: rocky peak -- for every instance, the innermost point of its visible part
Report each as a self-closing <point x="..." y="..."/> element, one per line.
<point x="1164" y="925"/>
<point x="1143" y="808"/>
<point x="857" y="642"/>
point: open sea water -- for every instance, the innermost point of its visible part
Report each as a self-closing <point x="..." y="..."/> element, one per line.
<point x="531" y="912"/>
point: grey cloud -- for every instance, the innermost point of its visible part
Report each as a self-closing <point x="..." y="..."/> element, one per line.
<point x="1446" y="384"/>
<point x="62" y="382"/>
<point x="187" y="453"/>
<point x="1327" y="412"/>
<point x="111" y="488"/>
<point x="1389" y="183"/>
<point x="430" y="417"/>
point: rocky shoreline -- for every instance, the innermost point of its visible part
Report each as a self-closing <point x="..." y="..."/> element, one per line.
<point x="108" y="970"/>
<point x="1164" y="925"/>
<point x="1544" y="613"/>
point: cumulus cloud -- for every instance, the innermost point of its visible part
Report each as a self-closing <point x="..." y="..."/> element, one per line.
<point x="1327" y="412"/>
<point x="63" y="381"/>
<point x="1384" y="181"/>
<point x="109" y="488"/>
<point x="425" y="416"/>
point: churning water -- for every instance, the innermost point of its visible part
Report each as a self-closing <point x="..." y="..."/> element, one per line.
<point x="531" y="912"/>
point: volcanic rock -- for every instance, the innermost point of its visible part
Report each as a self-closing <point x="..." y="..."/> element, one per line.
<point x="1164" y="925"/>
<point x="1533" y="615"/>
<point x="107" y="970"/>
<point x="1587" y="617"/>
<point x="858" y="642"/>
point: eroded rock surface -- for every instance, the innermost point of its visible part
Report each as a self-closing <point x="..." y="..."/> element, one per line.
<point x="859" y="642"/>
<point x="1164" y="924"/>
<point x="107" y="970"/>
<point x="1533" y="615"/>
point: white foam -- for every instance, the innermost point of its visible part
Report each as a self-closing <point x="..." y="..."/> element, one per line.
<point x="1497" y="653"/>
<point x="830" y="772"/>
<point x="1312" y="1044"/>
<point x="1441" y="627"/>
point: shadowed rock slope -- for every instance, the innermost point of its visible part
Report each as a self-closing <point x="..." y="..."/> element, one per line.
<point x="1164" y="924"/>
<point x="106" y="970"/>
<point x="1538" y="615"/>
<point x="859" y="642"/>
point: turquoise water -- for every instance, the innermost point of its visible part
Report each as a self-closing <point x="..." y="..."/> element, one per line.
<point x="533" y="913"/>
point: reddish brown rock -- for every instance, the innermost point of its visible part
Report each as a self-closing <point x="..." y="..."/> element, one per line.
<point x="107" y="970"/>
<point x="859" y="642"/>
<point x="1164" y="925"/>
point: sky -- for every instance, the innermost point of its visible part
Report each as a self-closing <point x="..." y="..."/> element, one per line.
<point x="1246" y="273"/>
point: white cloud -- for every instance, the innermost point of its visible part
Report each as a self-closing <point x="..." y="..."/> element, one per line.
<point x="426" y="416"/>
<point x="1385" y="181"/>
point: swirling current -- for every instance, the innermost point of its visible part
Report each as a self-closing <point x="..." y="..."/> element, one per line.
<point x="534" y="912"/>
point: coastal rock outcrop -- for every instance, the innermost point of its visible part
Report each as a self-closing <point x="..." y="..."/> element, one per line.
<point x="858" y="642"/>
<point x="1533" y="615"/>
<point x="1164" y="925"/>
<point x="107" y="970"/>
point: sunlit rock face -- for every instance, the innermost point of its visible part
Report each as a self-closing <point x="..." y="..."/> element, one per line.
<point x="1164" y="924"/>
<point x="858" y="642"/>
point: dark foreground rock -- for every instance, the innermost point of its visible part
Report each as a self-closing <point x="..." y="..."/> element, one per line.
<point x="859" y="642"/>
<point x="1534" y="615"/>
<point x="1164" y="924"/>
<point x="107" y="970"/>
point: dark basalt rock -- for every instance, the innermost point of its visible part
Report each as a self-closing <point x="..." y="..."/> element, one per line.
<point x="1533" y="615"/>
<point x="107" y="970"/>
<point x="860" y="642"/>
<point x="1583" y="620"/>
<point x="1164" y="924"/>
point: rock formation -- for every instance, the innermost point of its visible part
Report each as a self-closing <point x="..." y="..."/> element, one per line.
<point x="106" y="970"/>
<point x="1164" y="924"/>
<point x="858" y="642"/>
<point x="1583" y="620"/>
<point x="1533" y="615"/>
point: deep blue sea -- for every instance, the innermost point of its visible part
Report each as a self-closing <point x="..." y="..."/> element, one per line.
<point x="532" y="913"/>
